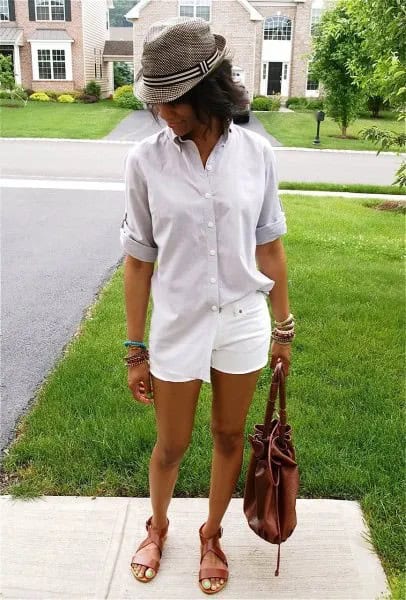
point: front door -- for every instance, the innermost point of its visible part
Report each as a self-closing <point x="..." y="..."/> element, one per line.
<point x="274" y="78"/>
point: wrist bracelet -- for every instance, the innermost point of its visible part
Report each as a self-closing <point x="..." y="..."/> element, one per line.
<point x="285" y="322"/>
<point x="134" y="344"/>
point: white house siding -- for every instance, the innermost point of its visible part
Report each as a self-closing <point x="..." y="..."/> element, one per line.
<point x="95" y="33"/>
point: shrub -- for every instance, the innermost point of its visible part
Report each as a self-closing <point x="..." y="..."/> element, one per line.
<point x="93" y="89"/>
<point x="124" y="98"/>
<point x="266" y="103"/>
<point x="52" y="95"/>
<point x="303" y="103"/>
<point x="124" y="89"/>
<point x="40" y="97"/>
<point x="88" y="98"/>
<point x="66" y="98"/>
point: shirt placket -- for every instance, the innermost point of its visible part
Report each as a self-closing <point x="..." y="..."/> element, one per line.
<point x="211" y="231"/>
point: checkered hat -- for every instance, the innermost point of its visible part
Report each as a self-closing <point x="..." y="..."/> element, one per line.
<point x="177" y="55"/>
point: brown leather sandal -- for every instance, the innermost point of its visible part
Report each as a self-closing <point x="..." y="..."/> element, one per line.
<point x="211" y="545"/>
<point x="158" y="536"/>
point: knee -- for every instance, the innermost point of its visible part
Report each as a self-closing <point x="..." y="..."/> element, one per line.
<point x="170" y="455"/>
<point x="227" y="442"/>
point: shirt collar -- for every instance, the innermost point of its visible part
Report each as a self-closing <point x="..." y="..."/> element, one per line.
<point x="178" y="141"/>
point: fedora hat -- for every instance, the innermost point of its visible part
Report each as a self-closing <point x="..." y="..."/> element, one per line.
<point x="177" y="54"/>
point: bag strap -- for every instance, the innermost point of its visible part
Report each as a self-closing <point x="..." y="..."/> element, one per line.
<point x="277" y="383"/>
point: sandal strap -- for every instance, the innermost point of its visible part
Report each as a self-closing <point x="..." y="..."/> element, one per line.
<point x="208" y="572"/>
<point x="211" y="546"/>
<point x="151" y="564"/>
<point x="154" y="535"/>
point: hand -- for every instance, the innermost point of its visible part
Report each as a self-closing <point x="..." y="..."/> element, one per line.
<point x="282" y="352"/>
<point x="140" y="383"/>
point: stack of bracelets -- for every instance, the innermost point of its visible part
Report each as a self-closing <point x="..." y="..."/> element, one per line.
<point x="136" y="359"/>
<point x="284" y="331"/>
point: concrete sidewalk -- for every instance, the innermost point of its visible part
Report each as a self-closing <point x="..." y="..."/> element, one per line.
<point x="81" y="547"/>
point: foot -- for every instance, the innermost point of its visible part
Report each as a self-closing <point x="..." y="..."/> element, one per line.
<point x="211" y="560"/>
<point x="149" y="553"/>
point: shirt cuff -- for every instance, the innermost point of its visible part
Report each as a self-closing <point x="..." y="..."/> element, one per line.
<point x="271" y="231"/>
<point x="136" y="249"/>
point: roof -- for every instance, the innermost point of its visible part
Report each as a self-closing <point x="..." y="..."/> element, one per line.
<point x="50" y="35"/>
<point x="11" y="35"/>
<point x="118" y="48"/>
<point x="134" y="13"/>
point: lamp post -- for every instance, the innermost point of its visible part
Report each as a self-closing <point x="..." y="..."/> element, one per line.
<point x="319" y="118"/>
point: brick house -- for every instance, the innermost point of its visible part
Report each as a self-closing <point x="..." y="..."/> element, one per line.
<point x="270" y="40"/>
<point x="57" y="44"/>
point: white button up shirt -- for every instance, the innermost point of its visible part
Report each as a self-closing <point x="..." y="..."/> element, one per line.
<point x="201" y="225"/>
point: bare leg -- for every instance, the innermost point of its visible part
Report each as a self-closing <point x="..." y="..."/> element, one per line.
<point x="175" y="407"/>
<point x="232" y="397"/>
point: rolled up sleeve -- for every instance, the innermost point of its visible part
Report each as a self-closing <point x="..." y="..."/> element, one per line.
<point x="272" y="220"/>
<point x="136" y="235"/>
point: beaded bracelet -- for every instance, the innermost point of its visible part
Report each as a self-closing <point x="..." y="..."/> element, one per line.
<point x="135" y="344"/>
<point x="285" y="322"/>
<point x="137" y="359"/>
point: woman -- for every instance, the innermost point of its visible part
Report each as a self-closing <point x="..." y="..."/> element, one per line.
<point x="201" y="199"/>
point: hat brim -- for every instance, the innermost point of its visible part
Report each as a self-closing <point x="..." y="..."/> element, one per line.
<point x="172" y="92"/>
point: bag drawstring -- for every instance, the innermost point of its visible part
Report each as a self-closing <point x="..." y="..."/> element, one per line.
<point x="279" y="527"/>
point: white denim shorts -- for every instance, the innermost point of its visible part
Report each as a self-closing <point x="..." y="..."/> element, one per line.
<point x="242" y="340"/>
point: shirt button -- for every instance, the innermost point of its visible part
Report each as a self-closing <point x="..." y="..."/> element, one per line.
<point x="214" y="307"/>
<point x="209" y="167"/>
<point x="212" y="280"/>
<point x="210" y="224"/>
<point x="208" y="195"/>
<point x="212" y="252"/>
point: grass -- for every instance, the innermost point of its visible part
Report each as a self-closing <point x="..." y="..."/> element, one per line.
<point x="298" y="129"/>
<point x="87" y="436"/>
<point x="57" y="120"/>
<point x="342" y="187"/>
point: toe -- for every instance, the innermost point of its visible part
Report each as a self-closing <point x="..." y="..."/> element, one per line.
<point x="206" y="584"/>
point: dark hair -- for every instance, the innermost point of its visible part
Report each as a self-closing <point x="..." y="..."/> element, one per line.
<point x="214" y="96"/>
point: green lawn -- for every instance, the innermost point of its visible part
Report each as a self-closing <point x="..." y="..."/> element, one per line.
<point x="57" y="120"/>
<point x="86" y="435"/>
<point x="298" y="129"/>
<point x="358" y="188"/>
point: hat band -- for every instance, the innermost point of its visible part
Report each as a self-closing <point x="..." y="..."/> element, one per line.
<point x="201" y="69"/>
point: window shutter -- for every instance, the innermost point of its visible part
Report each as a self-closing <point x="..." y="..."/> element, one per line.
<point x="68" y="16"/>
<point x="31" y="9"/>
<point x="11" y="10"/>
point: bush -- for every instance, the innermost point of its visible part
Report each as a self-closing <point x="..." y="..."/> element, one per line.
<point x="40" y="97"/>
<point x="303" y="103"/>
<point x="66" y="98"/>
<point x="266" y="103"/>
<point x="93" y="89"/>
<point x="53" y="96"/>
<point x="123" y="89"/>
<point x="17" y="93"/>
<point x="124" y="98"/>
<point x="88" y="98"/>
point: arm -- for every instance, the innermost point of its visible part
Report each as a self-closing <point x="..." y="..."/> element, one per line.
<point x="271" y="261"/>
<point x="137" y="286"/>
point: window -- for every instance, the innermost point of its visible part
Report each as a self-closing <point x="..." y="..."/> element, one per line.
<point x="50" y="10"/>
<point x="264" y="71"/>
<point x="195" y="8"/>
<point x="312" y="83"/>
<point x="51" y="64"/>
<point x="277" y="28"/>
<point x="315" y="18"/>
<point x="285" y="71"/>
<point x="4" y="11"/>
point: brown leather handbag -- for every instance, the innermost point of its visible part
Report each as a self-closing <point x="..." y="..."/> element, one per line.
<point x="272" y="480"/>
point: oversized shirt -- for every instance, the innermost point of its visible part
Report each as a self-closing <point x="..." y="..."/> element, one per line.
<point x="201" y="224"/>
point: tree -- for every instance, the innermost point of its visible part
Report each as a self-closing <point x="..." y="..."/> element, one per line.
<point x="123" y="74"/>
<point x="337" y="41"/>
<point x="7" y="80"/>
<point x="384" y="26"/>
<point x="116" y="14"/>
